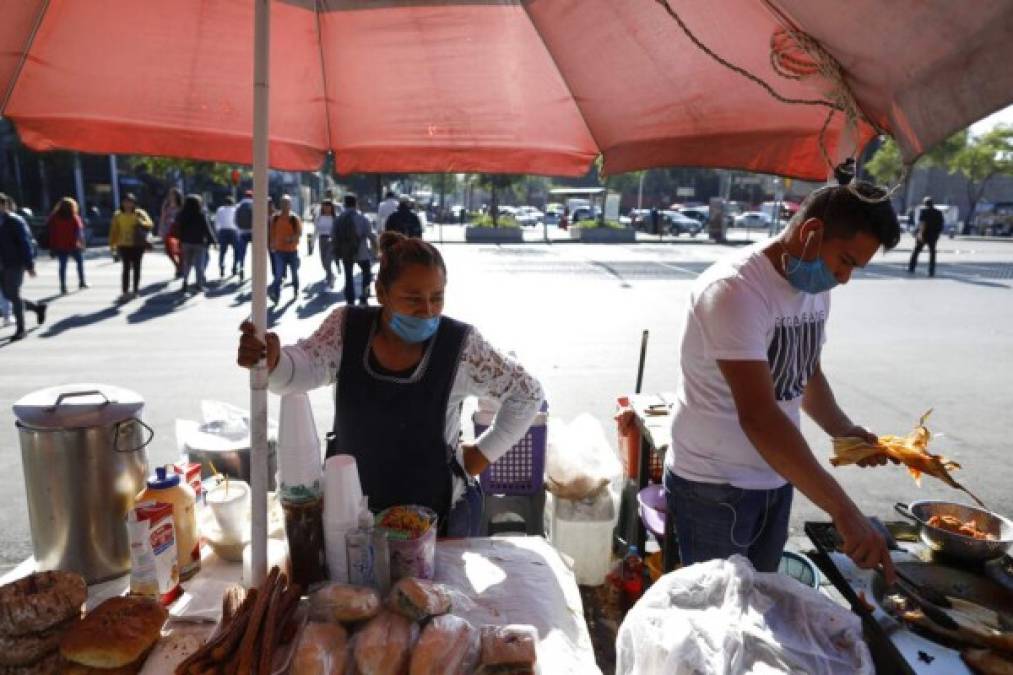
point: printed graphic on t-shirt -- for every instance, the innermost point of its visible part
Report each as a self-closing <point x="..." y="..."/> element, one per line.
<point x="794" y="352"/>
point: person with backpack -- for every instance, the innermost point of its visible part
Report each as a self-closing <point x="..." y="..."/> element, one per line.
<point x="17" y="257"/>
<point x="129" y="237"/>
<point x="243" y="218"/>
<point x="286" y="230"/>
<point x="354" y="241"/>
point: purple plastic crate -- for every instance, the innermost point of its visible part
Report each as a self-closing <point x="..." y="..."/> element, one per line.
<point x="521" y="471"/>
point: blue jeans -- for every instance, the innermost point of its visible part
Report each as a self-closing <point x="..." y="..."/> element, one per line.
<point x="242" y="243"/>
<point x="283" y="259"/>
<point x="226" y="239"/>
<point x="62" y="256"/>
<point x="718" y="520"/>
<point x="465" y="518"/>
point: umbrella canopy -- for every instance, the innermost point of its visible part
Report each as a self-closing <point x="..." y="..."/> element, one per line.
<point x="519" y="86"/>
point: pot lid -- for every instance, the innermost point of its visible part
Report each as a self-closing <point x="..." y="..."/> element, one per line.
<point x="72" y="406"/>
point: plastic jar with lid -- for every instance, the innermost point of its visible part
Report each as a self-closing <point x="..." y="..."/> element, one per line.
<point x="167" y="488"/>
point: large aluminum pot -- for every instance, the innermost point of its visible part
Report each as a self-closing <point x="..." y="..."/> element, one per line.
<point x="231" y="459"/>
<point x="959" y="545"/>
<point x="82" y="451"/>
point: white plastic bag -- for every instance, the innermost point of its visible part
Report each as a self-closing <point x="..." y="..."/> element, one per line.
<point x="722" y="617"/>
<point x="579" y="460"/>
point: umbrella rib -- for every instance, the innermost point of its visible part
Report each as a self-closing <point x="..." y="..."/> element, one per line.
<point x="24" y="56"/>
<point x="562" y="76"/>
<point x="323" y="76"/>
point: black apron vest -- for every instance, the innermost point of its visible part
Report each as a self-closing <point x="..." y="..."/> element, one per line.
<point x="394" y="426"/>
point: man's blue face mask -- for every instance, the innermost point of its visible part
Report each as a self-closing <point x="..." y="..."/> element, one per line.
<point x="808" y="276"/>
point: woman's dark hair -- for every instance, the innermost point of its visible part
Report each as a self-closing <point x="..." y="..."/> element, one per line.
<point x="193" y="208"/>
<point x="398" y="252"/>
<point x="847" y="210"/>
<point x="175" y="195"/>
<point x="330" y="203"/>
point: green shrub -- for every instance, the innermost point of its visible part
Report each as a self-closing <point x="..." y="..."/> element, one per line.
<point x="485" y="220"/>
<point x="614" y="224"/>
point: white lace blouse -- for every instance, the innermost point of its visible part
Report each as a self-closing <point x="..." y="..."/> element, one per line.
<point x="315" y="362"/>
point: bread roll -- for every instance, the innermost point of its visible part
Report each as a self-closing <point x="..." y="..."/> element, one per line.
<point x="40" y="601"/>
<point x="449" y="645"/>
<point x="418" y="599"/>
<point x="29" y="649"/>
<point x="384" y="645"/>
<point x="344" y="603"/>
<point x="509" y="649"/>
<point x="322" y="650"/>
<point x="115" y="634"/>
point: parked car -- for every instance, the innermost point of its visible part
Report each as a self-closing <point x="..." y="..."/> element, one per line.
<point x="753" y="219"/>
<point x="679" y="224"/>
<point x="529" y="216"/>
<point x="698" y="213"/>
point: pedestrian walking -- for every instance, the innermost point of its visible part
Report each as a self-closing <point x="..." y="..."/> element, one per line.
<point x="195" y="234"/>
<point x="930" y="226"/>
<point x="66" y="240"/>
<point x="355" y="243"/>
<point x="171" y="205"/>
<point x="286" y="229"/>
<point x="243" y="218"/>
<point x="17" y="257"/>
<point x="130" y="237"/>
<point x="384" y="210"/>
<point x="227" y="234"/>
<point x="323" y="231"/>
<point x="404" y="220"/>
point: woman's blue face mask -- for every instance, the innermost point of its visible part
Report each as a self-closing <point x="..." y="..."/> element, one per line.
<point x="413" y="329"/>
<point x="808" y="276"/>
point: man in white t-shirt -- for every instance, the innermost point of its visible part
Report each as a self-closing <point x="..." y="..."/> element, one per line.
<point x="384" y="210"/>
<point x="750" y="361"/>
<point x="228" y="235"/>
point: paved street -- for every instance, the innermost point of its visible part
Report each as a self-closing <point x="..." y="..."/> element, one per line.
<point x="574" y="314"/>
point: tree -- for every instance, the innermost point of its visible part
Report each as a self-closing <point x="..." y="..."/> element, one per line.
<point x="980" y="160"/>
<point x="496" y="183"/>
<point x="167" y="168"/>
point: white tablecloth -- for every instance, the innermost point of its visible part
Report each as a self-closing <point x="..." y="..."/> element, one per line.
<point x="506" y="580"/>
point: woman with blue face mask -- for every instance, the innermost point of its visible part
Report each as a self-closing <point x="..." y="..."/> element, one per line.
<point x="401" y="372"/>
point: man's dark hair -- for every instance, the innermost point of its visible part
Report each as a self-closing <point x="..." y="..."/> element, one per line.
<point x="849" y="209"/>
<point x="229" y="201"/>
<point x="390" y="195"/>
<point x="350" y="201"/>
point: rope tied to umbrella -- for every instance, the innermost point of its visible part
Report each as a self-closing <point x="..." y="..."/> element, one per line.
<point x="796" y="55"/>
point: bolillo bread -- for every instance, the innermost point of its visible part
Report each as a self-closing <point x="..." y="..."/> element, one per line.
<point x="322" y="650"/>
<point x="418" y="599"/>
<point x="116" y="634"/>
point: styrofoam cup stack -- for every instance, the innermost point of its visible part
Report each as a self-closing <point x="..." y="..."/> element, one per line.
<point x="342" y="501"/>
<point x="299" y="462"/>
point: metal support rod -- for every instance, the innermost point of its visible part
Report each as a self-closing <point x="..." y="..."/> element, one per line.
<point x="643" y="360"/>
<point x="114" y="181"/>
<point x="258" y="376"/>
<point x="79" y="186"/>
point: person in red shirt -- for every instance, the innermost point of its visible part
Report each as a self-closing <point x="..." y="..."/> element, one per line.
<point x="66" y="239"/>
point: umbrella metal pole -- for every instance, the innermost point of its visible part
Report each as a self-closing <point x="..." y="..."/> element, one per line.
<point x="258" y="376"/>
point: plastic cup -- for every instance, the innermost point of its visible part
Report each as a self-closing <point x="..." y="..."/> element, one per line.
<point x="342" y="490"/>
<point x="299" y="461"/>
<point x="230" y="504"/>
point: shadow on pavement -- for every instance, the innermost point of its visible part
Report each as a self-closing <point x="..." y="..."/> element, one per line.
<point x="158" y="305"/>
<point x="275" y="313"/>
<point x="988" y="275"/>
<point x="80" y="320"/>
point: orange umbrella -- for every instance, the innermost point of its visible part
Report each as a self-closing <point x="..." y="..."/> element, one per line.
<point x="539" y="86"/>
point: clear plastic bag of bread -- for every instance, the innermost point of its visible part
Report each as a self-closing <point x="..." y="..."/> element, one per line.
<point x="508" y="650"/>
<point x="343" y="603"/>
<point x="448" y="645"/>
<point x="323" y="649"/>
<point x="419" y="599"/>
<point x="384" y="645"/>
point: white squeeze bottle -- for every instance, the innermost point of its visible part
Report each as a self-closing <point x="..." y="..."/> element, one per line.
<point x="359" y="546"/>
<point x="167" y="488"/>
